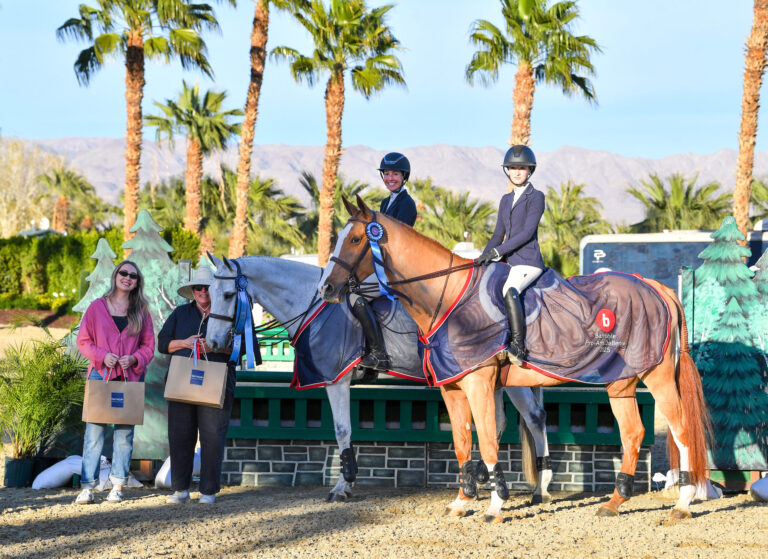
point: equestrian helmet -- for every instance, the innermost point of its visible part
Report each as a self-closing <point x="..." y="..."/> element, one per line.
<point x="520" y="156"/>
<point x="396" y="162"/>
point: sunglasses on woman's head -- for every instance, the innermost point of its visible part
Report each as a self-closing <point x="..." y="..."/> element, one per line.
<point x="128" y="275"/>
<point x="200" y="287"/>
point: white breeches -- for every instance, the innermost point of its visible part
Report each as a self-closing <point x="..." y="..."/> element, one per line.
<point x="520" y="277"/>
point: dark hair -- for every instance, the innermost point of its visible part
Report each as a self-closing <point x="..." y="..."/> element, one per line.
<point x="137" y="303"/>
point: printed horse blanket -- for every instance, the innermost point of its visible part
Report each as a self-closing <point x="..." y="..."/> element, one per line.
<point x="592" y="329"/>
<point x="330" y="344"/>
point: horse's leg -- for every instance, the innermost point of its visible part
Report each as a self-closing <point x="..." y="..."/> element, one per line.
<point x="535" y="418"/>
<point x="623" y="401"/>
<point x="338" y="396"/>
<point x="461" y="428"/>
<point x="479" y="388"/>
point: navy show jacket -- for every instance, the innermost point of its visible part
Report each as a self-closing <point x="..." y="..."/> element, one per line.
<point x="403" y="209"/>
<point x="516" y="234"/>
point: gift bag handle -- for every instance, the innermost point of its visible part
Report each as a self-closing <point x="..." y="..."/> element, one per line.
<point x="108" y="373"/>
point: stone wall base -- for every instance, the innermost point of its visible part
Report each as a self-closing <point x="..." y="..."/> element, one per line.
<point x="261" y="462"/>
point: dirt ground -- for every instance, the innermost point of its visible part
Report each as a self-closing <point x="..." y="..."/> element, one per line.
<point x="376" y="523"/>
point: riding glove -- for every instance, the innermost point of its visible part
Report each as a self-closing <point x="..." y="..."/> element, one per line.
<point x="487" y="257"/>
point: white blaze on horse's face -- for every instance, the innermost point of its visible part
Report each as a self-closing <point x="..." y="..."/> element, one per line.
<point x="323" y="287"/>
<point x="223" y="299"/>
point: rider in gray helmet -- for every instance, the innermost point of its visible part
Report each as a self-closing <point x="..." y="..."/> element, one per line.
<point x="395" y="170"/>
<point x="515" y="240"/>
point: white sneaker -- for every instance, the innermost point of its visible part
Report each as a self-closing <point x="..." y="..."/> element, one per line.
<point x="207" y="499"/>
<point x="115" y="496"/>
<point x="178" y="497"/>
<point x="85" y="497"/>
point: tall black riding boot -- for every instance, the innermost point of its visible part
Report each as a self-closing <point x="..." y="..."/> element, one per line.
<point x="516" y="318"/>
<point x="376" y="356"/>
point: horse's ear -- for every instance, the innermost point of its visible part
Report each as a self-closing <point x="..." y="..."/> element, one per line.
<point x="227" y="263"/>
<point x="215" y="261"/>
<point x="351" y="209"/>
<point x="364" y="210"/>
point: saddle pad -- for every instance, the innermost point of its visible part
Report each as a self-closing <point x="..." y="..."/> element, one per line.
<point x="594" y="329"/>
<point x="330" y="343"/>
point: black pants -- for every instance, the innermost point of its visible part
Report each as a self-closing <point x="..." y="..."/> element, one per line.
<point x="184" y="423"/>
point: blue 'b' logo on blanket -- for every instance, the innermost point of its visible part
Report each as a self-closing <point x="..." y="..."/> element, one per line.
<point x="196" y="377"/>
<point x="118" y="400"/>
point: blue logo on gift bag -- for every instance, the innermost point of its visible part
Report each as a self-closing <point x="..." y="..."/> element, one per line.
<point x="118" y="400"/>
<point x="196" y="377"/>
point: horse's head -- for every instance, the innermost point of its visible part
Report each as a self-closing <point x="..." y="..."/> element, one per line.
<point x="223" y="301"/>
<point x="348" y="260"/>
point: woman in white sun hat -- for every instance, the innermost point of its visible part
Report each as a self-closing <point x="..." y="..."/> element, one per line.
<point x="186" y="422"/>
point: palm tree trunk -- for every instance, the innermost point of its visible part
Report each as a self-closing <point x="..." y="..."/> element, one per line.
<point x="522" y="97"/>
<point x="334" y="108"/>
<point x="757" y="43"/>
<point x="192" y="178"/>
<point x="237" y="246"/>
<point x="134" y="92"/>
<point x="61" y="215"/>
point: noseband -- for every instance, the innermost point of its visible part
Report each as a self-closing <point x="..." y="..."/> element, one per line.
<point x="242" y="320"/>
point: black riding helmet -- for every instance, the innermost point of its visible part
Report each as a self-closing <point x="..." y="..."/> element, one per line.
<point x="519" y="156"/>
<point x="396" y="162"/>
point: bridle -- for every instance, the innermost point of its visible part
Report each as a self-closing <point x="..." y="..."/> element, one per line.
<point x="242" y="319"/>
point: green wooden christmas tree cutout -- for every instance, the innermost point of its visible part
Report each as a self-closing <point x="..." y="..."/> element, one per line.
<point x="100" y="277"/>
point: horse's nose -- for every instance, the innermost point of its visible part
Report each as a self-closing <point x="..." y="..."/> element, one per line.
<point x="326" y="291"/>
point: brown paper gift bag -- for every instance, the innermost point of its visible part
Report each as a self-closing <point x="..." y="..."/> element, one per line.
<point x="202" y="383"/>
<point x="113" y="401"/>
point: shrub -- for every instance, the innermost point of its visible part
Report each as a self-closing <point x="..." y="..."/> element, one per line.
<point x="186" y="245"/>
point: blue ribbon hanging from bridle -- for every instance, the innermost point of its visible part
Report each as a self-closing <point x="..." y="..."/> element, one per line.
<point x="243" y="320"/>
<point x="375" y="232"/>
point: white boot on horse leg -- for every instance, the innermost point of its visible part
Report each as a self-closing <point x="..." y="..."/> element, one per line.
<point x="687" y="488"/>
<point x="499" y="494"/>
<point x="528" y="403"/>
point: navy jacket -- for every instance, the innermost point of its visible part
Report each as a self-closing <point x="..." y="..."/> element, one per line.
<point x="403" y="209"/>
<point x="516" y="234"/>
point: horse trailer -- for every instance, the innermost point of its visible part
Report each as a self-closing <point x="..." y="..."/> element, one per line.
<point x="654" y="255"/>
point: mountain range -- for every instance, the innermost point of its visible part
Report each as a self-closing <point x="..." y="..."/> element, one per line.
<point x="605" y="175"/>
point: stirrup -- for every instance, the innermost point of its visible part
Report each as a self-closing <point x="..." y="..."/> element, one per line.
<point x="515" y="354"/>
<point x="378" y="361"/>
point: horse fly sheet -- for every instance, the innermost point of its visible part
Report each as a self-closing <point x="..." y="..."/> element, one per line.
<point x="591" y="329"/>
<point x="330" y="343"/>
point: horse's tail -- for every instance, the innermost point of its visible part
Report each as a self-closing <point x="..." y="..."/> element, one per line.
<point x="529" y="455"/>
<point x="696" y="422"/>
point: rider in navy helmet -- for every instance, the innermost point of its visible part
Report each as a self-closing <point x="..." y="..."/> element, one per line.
<point x="395" y="170"/>
<point x="515" y="240"/>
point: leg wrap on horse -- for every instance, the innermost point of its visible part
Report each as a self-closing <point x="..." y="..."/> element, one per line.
<point x="543" y="463"/>
<point x="376" y="356"/>
<point x="499" y="484"/>
<point x="348" y="464"/>
<point x="624" y="485"/>
<point x="685" y="479"/>
<point x="481" y="473"/>
<point x="516" y="318"/>
<point x="467" y="480"/>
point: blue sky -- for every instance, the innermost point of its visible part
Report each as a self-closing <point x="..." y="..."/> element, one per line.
<point x="669" y="80"/>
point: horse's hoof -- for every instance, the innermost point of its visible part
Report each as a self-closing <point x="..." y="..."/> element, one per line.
<point x="337" y="497"/>
<point x="454" y="512"/>
<point x="678" y="514"/>
<point x="541" y="499"/>
<point x="755" y="495"/>
<point x="492" y="519"/>
<point x="606" y="511"/>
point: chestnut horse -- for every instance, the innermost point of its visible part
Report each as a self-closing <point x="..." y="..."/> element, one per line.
<point x="407" y="254"/>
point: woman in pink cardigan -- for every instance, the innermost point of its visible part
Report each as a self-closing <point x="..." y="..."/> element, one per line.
<point x="117" y="337"/>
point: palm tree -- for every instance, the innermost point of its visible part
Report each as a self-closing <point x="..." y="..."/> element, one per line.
<point x="136" y="30"/>
<point x="308" y="223"/>
<point x="683" y="206"/>
<point x="348" y="36"/>
<point x="759" y="200"/>
<point x="569" y="216"/>
<point x="84" y="208"/>
<point x="448" y="217"/>
<point x="259" y="35"/>
<point x="754" y="68"/>
<point x="206" y="127"/>
<point x="538" y="40"/>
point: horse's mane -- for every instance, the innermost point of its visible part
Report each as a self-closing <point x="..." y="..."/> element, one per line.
<point x="428" y="240"/>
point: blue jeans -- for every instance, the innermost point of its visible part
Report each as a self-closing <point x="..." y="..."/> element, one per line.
<point x="122" y="448"/>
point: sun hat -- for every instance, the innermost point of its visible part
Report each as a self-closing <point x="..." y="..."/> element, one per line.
<point x="201" y="276"/>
